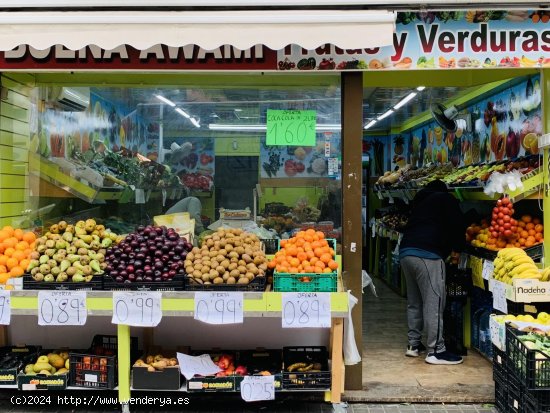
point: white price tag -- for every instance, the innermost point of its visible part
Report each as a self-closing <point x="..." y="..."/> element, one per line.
<point x="257" y="388"/>
<point x="140" y="196"/>
<point x="196" y="365"/>
<point x="306" y="310"/>
<point x="138" y="309"/>
<point x="5" y="307"/>
<point x="62" y="308"/>
<point x="499" y="297"/>
<point x="488" y="269"/>
<point x="219" y="307"/>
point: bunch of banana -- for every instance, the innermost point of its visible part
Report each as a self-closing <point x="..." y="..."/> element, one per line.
<point x="545" y="274"/>
<point x="513" y="263"/>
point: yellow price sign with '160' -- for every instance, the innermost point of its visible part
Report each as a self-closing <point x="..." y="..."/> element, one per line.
<point x="291" y="127"/>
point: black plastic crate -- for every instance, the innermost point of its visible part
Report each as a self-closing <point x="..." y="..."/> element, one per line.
<point x="271" y="245"/>
<point x="175" y="284"/>
<point x="536" y="401"/>
<point x="257" y="284"/>
<point x="88" y="370"/>
<point x="296" y="380"/>
<point x="453" y="327"/>
<point x="30" y="284"/>
<point x="501" y="394"/>
<point x="458" y="282"/>
<point x="97" y="368"/>
<point x="516" y="396"/>
<point x="530" y="367"/>
<point x="500" y="362"/>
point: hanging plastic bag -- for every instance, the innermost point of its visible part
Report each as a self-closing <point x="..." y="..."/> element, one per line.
<point x="366" y="282"/>
<point x="351" y="353"/>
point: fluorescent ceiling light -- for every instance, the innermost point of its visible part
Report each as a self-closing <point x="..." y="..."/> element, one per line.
<point x="195" y="122"/>
<point x="405" y="100"/>
<point x="183" y="113"/>
<point x="370" y="124"/>
<point x="421" y="88"/>
<point x="167" y="101"/>
<point x="230" y="127"/>
<point x="385" y="115"/>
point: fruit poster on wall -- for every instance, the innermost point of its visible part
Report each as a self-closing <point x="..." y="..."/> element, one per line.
<point x="378" y="149"/>
<point x="504" y="125"/>
<point x="196" y="169"/>
<point x="321" y="160"/>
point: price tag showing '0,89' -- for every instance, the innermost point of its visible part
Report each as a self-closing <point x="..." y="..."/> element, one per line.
<point x="138" y="309"/>
<point x="219" y="308"/>
<point x="62" y="308"/>
<point x="256" y="388"/>
<point x="291" y="128"/>
<point x="306" y="310"/>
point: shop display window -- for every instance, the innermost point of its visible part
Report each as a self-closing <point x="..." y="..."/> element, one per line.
<point x="125" y="155"/>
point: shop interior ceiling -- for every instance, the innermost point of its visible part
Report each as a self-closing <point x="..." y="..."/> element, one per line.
<point x="244" y="106"/>
<point x="377" y="100"/>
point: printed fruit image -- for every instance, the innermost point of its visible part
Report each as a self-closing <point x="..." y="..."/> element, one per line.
<point x="398" y="142"/>
<point x="148" y="254"/>
<point x="308" y="252"/>
<point x="16" y="248"/>
<point x="531" y="143"/>
<point x="438" y="135"/>
<point x="71" y="252"/>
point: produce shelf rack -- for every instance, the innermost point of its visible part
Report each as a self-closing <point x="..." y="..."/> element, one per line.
<point x="181" y="304"/>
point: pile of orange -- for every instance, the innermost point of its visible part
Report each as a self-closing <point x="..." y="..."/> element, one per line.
<point x="529" y="232"/>
<point x="307" y="252"/>
<point x="16" y="246"/>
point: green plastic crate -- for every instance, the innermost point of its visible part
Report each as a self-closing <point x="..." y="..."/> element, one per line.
<point x="321" y="283"/>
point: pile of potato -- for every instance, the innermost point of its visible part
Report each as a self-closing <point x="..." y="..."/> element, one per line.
<point x="228" y="256"/>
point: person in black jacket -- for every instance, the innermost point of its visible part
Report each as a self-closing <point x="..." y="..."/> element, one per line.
<point x="435" y="228"/>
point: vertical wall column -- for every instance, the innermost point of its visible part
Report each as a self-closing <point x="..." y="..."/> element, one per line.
<point x="545" y="85"/>
<point x="352" y="245"/>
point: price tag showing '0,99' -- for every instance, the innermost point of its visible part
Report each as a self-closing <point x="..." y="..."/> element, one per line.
<point x="138" y="309"/>
<point x="219" y="308"/>
<point x="62" y="308"/>
<point x="306" y="310"/>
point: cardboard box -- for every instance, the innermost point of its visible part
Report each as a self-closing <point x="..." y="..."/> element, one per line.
<point x="530" y="291"/>
<point x="42" y="382"/>
<point x="168" y="379"/>
<point x="212" y="383"/>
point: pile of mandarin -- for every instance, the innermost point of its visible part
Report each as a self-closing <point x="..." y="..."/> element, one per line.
<point x="307" y="252"/>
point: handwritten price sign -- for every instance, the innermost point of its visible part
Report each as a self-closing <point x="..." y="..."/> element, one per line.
<point x="5" y="307"/>
<point x="291" y="127"/>
<point x="62" y="308"/>
<point x="138" y="309"/>
<point x="256" y="388"/>
<point x="306" y="310"/>
<point x="219" y="308"/>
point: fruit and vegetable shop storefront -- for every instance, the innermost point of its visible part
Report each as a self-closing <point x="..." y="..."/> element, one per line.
<point x="149" y="186"/>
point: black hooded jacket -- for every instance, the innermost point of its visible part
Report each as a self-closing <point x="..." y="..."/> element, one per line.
<point x="436" y="223"/>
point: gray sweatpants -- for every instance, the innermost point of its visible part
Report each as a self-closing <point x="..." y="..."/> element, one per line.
<point x="425" y="300"/>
